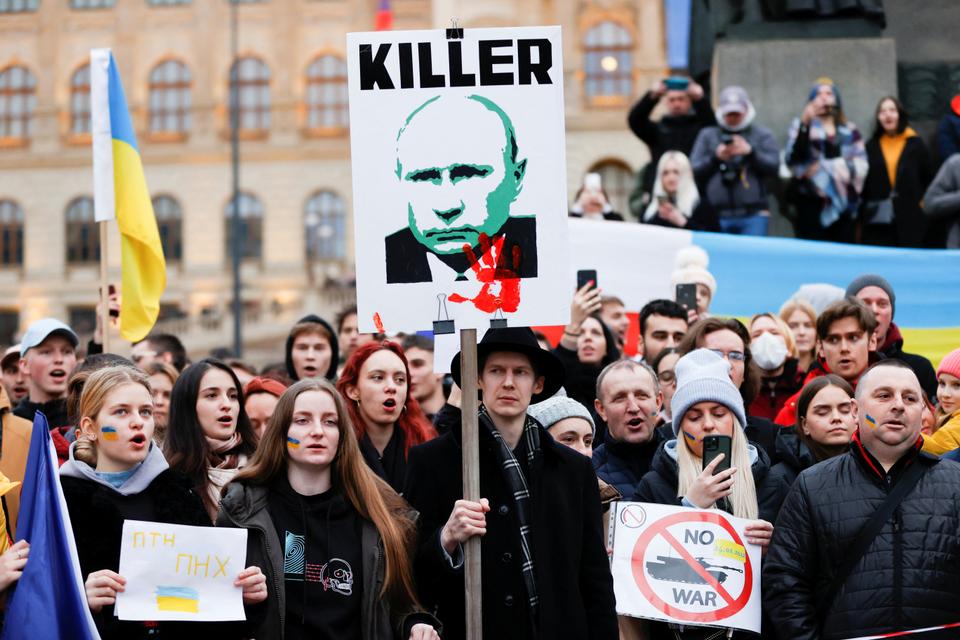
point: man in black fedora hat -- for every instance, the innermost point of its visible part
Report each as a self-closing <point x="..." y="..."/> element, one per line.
<point x="545" y="571"/>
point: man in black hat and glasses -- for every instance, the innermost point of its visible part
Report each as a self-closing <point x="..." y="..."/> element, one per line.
<point x="545" y="571"/>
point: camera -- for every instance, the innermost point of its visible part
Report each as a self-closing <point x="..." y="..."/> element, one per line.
<point x="729" y="170"/>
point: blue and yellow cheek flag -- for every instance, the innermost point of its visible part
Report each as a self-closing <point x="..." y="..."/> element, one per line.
<point x="120" y="192"/>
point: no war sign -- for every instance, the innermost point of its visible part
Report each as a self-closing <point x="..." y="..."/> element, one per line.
<point x="683" y="565"/>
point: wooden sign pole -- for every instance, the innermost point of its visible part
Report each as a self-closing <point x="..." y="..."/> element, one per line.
<point x="104" y="289"/>
<point x="471" y="478"/>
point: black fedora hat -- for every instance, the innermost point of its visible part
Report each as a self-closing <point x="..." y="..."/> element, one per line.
<point x="519" y="340"/>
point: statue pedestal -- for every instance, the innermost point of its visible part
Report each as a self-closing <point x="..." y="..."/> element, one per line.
<point x="778" y="75"/>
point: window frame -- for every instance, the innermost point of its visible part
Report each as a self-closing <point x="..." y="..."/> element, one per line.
<point x="87" y="229"/>
<point x="182" y="88"/>
<point x="619" y="50"/>
<point x="260" y="85"/>
<point x="336" y="216"/>
<point x="318" y="82"/>
<point x="27" y="94"/>
<point x="14" y="228"/>
<point x="257" y="213"/>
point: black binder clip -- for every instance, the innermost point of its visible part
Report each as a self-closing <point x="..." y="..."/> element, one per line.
<point x="446" y="325"/>
<point x="454" y="32"/>
<point x="498" y="322"/>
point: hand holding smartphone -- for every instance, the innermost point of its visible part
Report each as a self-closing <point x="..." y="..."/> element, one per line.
<point x="687" y="296"/>
<point x="585" y="276"/>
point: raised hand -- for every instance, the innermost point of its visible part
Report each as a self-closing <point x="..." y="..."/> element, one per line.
<point x="501" y="281"/>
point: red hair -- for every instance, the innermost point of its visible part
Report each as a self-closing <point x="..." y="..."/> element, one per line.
<point x="412" y="422"/>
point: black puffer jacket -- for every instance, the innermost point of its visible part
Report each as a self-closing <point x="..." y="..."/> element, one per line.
<point x="794" y="457"/>
<point x="906" y="579"/>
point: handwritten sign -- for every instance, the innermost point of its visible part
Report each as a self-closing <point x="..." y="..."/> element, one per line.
<point x="176" y="572"/>
<point x="684" y="565"/>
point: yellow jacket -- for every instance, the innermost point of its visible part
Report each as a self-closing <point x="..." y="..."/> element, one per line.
<point x="13" y="457"/>
<point x="944" y="439"/>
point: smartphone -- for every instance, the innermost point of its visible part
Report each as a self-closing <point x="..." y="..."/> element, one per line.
<point x="687" y="295"/>
<point x="713" y="446"/>
<point x="592" y="182"/>
<point x="677" y="83"/>
<point x="662" y="198"/>
<point x="584" y="276"/>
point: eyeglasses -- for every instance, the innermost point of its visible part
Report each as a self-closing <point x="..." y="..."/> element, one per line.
<point x="739" y="356"/>
<point x="667" y="377"/>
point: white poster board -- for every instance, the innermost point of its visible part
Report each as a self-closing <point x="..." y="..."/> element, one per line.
<point x="688" y="566"/>
<point x="459" y="178"/>
<point x="177" y="572"/>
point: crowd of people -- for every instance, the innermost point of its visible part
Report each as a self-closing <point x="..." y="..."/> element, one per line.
<point x="348" y="449"/>
<point x="719" y="170"/>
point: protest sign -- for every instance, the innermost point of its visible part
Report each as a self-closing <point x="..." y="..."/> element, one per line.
<point x="684" y="565"/>
<point x="459" y="166"/>
<point x="176" y="572"/>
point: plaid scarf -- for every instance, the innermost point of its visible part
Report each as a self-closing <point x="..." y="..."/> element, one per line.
<point x="517" y="484"/>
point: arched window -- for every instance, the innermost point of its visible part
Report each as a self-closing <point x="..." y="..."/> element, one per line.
<point x="327" y="93"/>
<point x="91" y="4"/>
<point x="608" y="62"/>
<point x="251" y="226"/>
<point x="252" y="78"/>
<point x="324" y="219"/>
<point x="170" y="98"/>
<point x="18" y="6"/>
<point x="618" y="181"/>
<point x="83" y="237"/>
<point x="18" y="99"/>
<point x="80" y="101"/>
<point x="11" y="234"/>
<point x="169" y="216"/>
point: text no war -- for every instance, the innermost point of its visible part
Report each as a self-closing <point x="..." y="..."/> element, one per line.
<point x="409" y="65"/>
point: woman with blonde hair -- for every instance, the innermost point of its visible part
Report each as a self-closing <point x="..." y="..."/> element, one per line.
<point x="706" y="403"/>
<point x="129" y="480"/>
<point x="335" y="540"/>
<point x="676" y="200"/>
<point x="801" y="319"/>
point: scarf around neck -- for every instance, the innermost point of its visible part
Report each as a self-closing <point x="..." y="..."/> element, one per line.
<point x="219" y="447"/>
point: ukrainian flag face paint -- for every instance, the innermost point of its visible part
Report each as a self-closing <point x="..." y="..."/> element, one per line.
<point x="691" y="439"/>
<point x="870" y="420"/>
<point x="293" y="443"/>
<point x="109" y="434"/>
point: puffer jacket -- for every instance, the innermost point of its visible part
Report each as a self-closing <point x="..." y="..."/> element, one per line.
<point x="906" y="579"/>
<point x="245" y="506"/>
<point x="622" y="464"/>
<point x="794" y="456"/>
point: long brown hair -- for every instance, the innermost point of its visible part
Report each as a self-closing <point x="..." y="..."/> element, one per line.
<point x="699" y="330"/>
<point x="820" y="451"/>
<point x="412" y="421"/>
<point x="370" y="496"/>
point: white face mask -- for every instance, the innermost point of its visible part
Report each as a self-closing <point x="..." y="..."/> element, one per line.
<point x="769" y="351"/>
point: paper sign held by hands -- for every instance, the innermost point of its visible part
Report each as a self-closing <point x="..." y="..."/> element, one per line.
<point x="178" y="572"/>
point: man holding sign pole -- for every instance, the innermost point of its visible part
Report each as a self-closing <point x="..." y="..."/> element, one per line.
<point x="545" y="573"/>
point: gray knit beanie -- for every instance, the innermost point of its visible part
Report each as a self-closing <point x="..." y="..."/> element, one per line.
<point x="873" y="280"/>
<point x="553" y="410"/>
<point x="703" y="376"/>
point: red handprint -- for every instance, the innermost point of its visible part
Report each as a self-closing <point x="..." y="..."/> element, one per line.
<point x="501" y="282"/>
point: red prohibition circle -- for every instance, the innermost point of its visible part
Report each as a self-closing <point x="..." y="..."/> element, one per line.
<point x="643" y="541"/>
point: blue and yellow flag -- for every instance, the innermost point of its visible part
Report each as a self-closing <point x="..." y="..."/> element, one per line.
<point x="120" y="192"/>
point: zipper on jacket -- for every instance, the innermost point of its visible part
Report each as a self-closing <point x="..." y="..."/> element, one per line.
<point x="266" y="543"/>
<point x="898" y="563"/>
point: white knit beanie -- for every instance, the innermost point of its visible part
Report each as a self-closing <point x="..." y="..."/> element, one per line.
<point x="703" y="376"/>
<point x="691" y="268"/>
<point x="553" y="410"/>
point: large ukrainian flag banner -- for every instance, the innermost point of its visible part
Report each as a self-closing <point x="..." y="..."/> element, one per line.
<point x="754" y="275"/>
<point x="120" y="192"/>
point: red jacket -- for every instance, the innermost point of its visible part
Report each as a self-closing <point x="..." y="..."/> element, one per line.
<point x="788" y="415"/>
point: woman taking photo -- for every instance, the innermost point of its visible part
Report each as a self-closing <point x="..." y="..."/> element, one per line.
<point x="127" y="478"/>
<point x="209" y="438"/>
<point x="333" y="538"/>
<point x="826" y="421"/>
<point x="676" y="201"/>
<point x="706" y="403"/>
<point x="387" y="419"/>
<point x="899" y="175"/>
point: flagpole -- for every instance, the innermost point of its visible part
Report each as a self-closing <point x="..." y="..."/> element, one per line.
<point x="104" y="289"/>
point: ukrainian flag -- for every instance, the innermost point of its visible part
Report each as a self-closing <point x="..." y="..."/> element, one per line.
<point x="120" y="192"/>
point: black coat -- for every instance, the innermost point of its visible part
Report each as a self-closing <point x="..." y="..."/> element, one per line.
<point x="914" y="172"/>
<point x="580" y="381"/>
<point x="703" y="218"/>
<point x="97" y="514"/>
<point x="906" y="579"/>
<point x="794" y="457"/>
<point x="569" y="550"/>
<point x="622" y="464"/>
